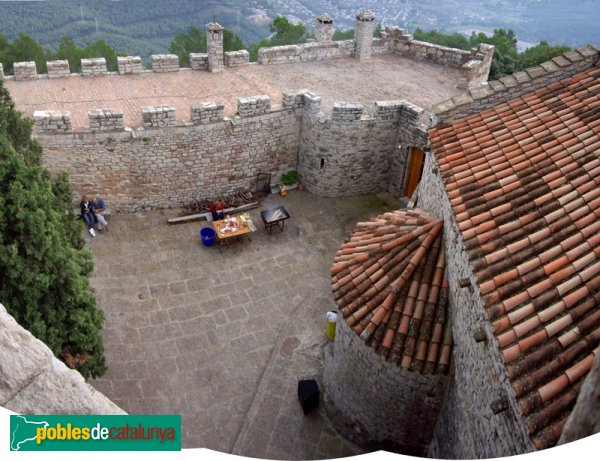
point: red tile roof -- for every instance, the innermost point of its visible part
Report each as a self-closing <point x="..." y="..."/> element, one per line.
<point x="390" y="284"/>
<point x="523" y="179"/>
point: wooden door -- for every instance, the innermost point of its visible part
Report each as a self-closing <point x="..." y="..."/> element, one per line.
<point x="415" y="170"/>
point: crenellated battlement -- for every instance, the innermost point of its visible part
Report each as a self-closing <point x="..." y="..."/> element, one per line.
<point x="93" y="66"/>
<point x="164" y="162"/>
<point x="475" y="63"/>
<point x="130" y="65"/>
<point x="58" y="69"/>
<point x="112" y="119"/>
<point x="165" y="63"/>
<point x="510" y="86"/>
<point x="25" y="70"/>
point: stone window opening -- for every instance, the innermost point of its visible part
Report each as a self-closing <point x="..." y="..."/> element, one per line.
<point x="322" y="163"/>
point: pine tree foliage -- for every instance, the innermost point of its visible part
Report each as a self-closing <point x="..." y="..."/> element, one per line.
<point x="44" y="263"/>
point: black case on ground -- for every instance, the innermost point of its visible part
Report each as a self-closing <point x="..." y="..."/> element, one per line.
<point x="308" y="394"/>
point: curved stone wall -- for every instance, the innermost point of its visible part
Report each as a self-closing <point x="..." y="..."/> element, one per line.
<point x="352" y="153"/>
<point x="396" y="411"/>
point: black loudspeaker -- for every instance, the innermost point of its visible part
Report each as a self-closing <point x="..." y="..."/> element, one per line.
<point x="308" y="394"/>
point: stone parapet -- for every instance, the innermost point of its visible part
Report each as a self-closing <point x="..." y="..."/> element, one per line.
<point x="381" y="46"/>
<point x="143" y="169"/>
<point x="53" y="121"/>
<point x="389" y="110"/>
<point x="199" y="61"/>
<point x="494" y="92"/>
<point x="346" y="112"/>
<point x="58" y="68"/>
<point x="33" y="381"/>
<point x="106" y="119"/>
<point x="93" y="66"/>
<point x="25" y="70"/>
<point x="130" y="65"/>
<point x="306" y="52"/>
<point x="237" y="58"/>
<point x="165" y="63"/>
<point x="253" y="105"/>
<point x="424" y="51"/>
<point x="207" y="112"/>
<point x="158" y="116"/>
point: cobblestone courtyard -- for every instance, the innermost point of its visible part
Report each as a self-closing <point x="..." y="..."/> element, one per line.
<point x="221" y="335"/>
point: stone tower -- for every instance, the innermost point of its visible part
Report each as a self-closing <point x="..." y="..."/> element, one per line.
<point x="324" y="28"/>
<point x="363" y="34"/>
<point x="214" y="45"/>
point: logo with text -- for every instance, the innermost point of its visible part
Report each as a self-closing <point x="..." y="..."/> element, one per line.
<point x="95" y="432"/>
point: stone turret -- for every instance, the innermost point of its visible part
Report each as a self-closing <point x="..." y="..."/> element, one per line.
<point x="363" y="34"/>
<point x="214" y="45"/>
<point x="324" y="28"/>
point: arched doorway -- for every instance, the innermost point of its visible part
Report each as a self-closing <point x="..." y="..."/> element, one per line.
<point x="415" y="171"/>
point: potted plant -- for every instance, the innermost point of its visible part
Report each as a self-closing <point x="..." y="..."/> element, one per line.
<point x="290" y="179"/>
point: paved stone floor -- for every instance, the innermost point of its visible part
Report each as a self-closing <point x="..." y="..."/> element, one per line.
<point x="378" y="78"/>
<point x="221" y="335"/>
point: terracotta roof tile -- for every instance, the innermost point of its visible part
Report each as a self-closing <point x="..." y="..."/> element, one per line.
<point x="389" y="282"/>
<point x="527" y="202"/>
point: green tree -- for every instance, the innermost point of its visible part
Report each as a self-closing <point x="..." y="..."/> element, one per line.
<point x="286" y="33"/>
<point x="454" y="40"/>
<point x="184" y="43"/>
<point x="43" y="260"/>
<point x="505" y="61"/>
<point x="4" y="51"/>
<point x="25" y="48"/>
<point x="339" y="35"/>
<point x="69" y="50"/>
<point x="540" y="53"/>
<point x="101" y="49"/>
<point x="232" y="41"/>
<point x="283" y="33"/>
<point x="378" y="30"/>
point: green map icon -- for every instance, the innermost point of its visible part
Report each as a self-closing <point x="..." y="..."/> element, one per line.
<point x="24" y="431"/>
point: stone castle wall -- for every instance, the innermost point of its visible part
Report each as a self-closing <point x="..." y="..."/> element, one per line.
<point x="512" y="86"/>
<point x="398" y="410"/>
<point x="475" y="64"/>
<point x="306" y="52"/>
<point x="167" y="163"/>
<point x="349" y="153"/>
<point x="167" y="166"/>
<point x="480" y="417"/>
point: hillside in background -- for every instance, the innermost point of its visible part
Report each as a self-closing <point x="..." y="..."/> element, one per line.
<point x="568" y="22"/>
<point x="137" y="27"/>
<point x="147" y="26"/>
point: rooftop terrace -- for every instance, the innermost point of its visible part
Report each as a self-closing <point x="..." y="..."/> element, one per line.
<point x="379" y="78"/>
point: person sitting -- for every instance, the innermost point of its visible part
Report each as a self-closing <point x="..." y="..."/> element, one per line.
<point x="99" y="210"/>
<point x="87" y="214"/>
<point x="217" y="209"/>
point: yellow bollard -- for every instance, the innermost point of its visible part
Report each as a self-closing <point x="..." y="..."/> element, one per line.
<point x="332" y="318"/>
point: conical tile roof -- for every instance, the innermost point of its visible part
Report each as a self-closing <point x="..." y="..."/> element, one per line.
<point x="389" y="282"/>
